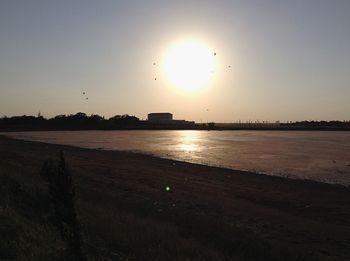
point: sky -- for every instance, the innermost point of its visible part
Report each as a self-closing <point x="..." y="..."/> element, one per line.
<point x="289" y="60"/>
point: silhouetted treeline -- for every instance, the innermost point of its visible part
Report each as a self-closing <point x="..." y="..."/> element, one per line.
<point x="81" y="121"/>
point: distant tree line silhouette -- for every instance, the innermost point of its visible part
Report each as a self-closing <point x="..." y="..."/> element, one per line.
<point x="81" y="121"/>
<point x="78" y="121"/>
<point x="319" y="123"/>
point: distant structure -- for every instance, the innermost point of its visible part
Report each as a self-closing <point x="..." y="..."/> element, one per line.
<point x="165" y="119"/>
<point x="160" y="117"/>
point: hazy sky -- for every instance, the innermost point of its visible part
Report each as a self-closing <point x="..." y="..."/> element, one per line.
<point x="290" y="60"/>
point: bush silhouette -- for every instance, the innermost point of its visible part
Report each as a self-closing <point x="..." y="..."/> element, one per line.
<point x="62" y="193"/>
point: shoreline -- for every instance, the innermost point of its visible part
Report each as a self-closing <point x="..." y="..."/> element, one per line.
<point x="307" y="217"/>
<point x="296" y="129"/>
<point x="288" y="176"/>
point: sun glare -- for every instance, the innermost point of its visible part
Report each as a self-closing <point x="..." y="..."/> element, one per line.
<point x="189" y="65"/>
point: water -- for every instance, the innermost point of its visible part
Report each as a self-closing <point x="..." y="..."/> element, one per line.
<point x="316" y="155"/>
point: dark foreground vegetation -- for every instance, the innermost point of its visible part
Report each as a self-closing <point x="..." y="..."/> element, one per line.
<point x="81" y="121"/>
<point x="62" y="198"/>
<point x="137" y="207"/>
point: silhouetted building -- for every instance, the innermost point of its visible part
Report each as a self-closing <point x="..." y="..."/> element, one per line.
<point x="165" y="120"/>
<point x="160" y="117"/>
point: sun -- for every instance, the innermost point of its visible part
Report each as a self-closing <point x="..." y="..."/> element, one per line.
<point x="189" y="65"/>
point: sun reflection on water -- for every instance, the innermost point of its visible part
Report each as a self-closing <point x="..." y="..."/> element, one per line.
<point x="188" y="147"/>
<point x="188" y="141"/>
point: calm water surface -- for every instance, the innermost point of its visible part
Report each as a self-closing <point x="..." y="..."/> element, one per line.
<point x="317" y="155"/>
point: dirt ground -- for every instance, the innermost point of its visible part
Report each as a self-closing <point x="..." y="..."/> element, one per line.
<point x="210" y="204"/>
